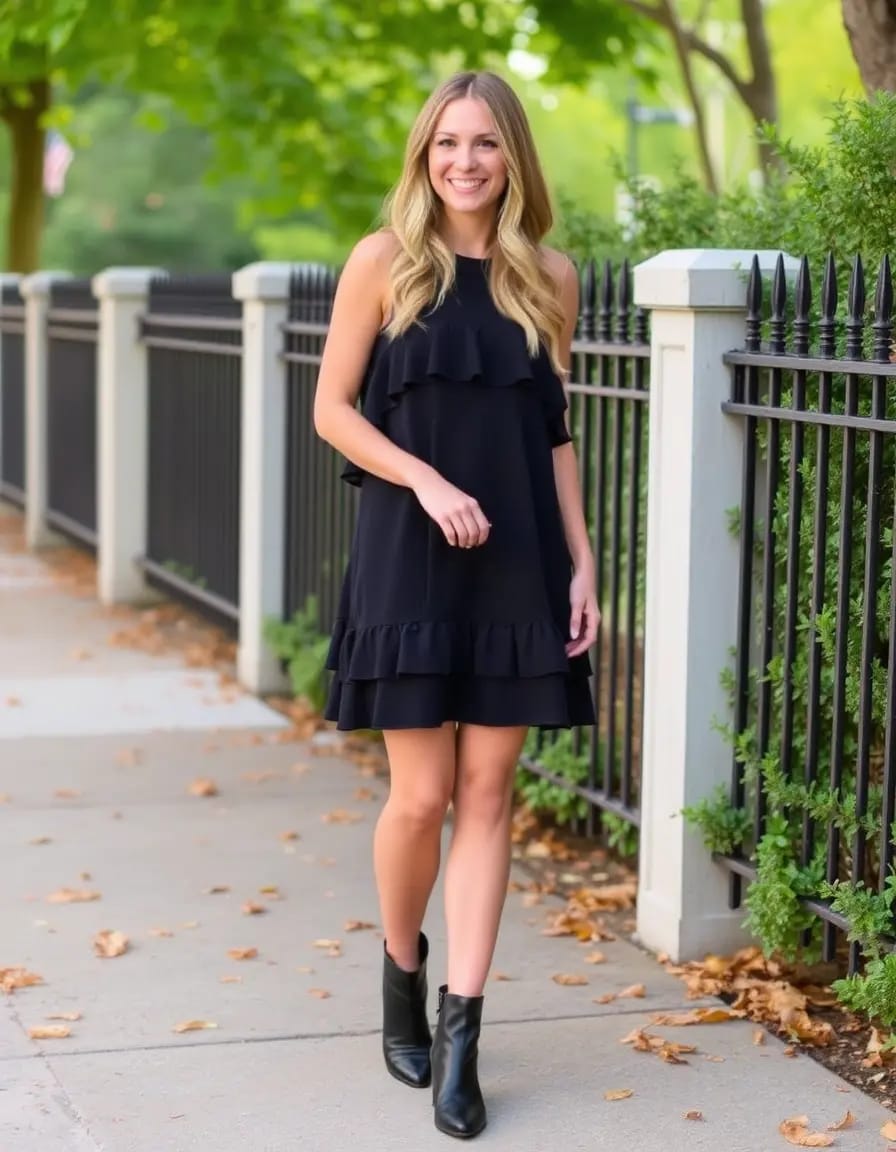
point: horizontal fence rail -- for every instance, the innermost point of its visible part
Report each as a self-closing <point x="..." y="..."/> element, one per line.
<point x="193" y="333"/>
<point x="320" y="508"/>
<point x="814" y="684"/>
<point x="12" y="394"/>
<point x="599" y="767"/>
<point x="72" y="335"/>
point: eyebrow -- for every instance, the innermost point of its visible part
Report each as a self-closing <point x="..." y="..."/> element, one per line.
<point x="477" y="136"/>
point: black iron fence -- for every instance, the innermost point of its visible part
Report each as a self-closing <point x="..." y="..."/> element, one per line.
<point x="814" y="686"/>
<point x="608" y="392"/>
<point x="193" y="333"/>
<point x="320" y="508"/>
<point x="12" y="394"/>
<point x="72" y="334"/>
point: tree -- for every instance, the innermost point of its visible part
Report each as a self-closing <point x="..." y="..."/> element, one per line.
<point x="871" y="27"/>
<point x="566" y="29"/>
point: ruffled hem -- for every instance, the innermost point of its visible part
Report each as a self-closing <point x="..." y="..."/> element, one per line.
<point x="457" y="353"/>
<point x="443" y="648"/>
<point x="430" y="701"/>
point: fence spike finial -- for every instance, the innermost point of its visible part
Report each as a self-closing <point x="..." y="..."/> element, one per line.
<point x="605" y="312"/>
<point x="623" y="307"/>
<point x="827" y="325"/>
<point x="883" y="312"/>
<point x="802" y="309"/>
<point x="754" y="307"/>
<point x="589" y="293"/>
<point x="855" y="318"/>
<point x="777" y="329"/>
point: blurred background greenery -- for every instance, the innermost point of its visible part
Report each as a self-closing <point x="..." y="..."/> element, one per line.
<point x="163" y="178"/>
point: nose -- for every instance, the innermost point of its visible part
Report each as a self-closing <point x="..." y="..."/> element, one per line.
<point x="465" y="158"/>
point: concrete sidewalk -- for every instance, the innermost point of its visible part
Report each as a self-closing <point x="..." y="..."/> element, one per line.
<point x="98" y="748"/>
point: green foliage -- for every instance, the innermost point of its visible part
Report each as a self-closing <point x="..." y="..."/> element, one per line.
<point x="724" y="827"/>
<point x="558" y="757"/>
<point x="299" y="644"/>
<point x="871" y="918"/>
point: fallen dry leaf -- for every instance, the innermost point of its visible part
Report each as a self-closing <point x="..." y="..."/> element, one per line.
<point x="696" y="1016"/>
<point x="693" y="1114"/>
<point x="327" y="945"/>
<point x="217" y="890"/>
<point x="109" y="943"/>
<point x="595" y="958"/>
<point x="72" y="896"/>
<point x="194" y="1026"/>
<point x="501" y="976"/>
<point x="758" y="1037"/>
<point x="13" y="978"/>
<point x="41" y="840"/>
<point x="128" y="757"/>
<point x="203" y="787"/>
<point x="13" y="702"/>
<point x="846" y="1121"/>
<point x="5" y="797"/>
<point x="230" y="979"/>
<point x="49" y="1032"/>
<point x="242" y="953"/>
<point x="341" y="816"/>
<point x="569" y="979"/>
<point x="288" y="836"/>
<point x="889" y="1130"/>
<point x="633" y="992"/>
<point x="64" y="1016"/>
<point x="66" y="793"/>
<point x="618" y="1094"/>
<point x="358" y="926"/>
<point x="607" y="998"/>
<point x="271" y="891"/>
<point x="305" y="969"/>
<point x="250" y="908"/>
<point x="796" y="1131"/>
<point x="160" y="932"/>
<point x="319" y="993"/>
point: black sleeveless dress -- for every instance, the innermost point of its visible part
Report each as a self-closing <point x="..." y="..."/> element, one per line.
<point x="426" y="632"/>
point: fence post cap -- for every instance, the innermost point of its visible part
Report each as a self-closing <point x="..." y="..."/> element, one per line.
<point x="9" y="279"/>
<point x="714" y="278"/>
<point x="264" y="280"/>
<point x="39" y="283"/>
<point x="124" y="281"/>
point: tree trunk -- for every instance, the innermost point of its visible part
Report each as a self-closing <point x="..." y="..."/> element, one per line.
<point x="871" y="27"/>
<point x="26" y="201"/>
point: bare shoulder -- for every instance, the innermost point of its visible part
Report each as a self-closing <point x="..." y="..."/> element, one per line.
<point x="375" y="252"/>
<point x="563" y="271"/>
<point x="558" y="265"/>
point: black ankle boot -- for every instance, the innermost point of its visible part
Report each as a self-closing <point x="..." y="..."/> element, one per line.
<point x="460" y="1109"/>
<point x="406" y="1035"/>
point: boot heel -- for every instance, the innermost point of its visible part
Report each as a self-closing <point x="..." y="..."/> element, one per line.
<point x="406" y="1035"/>
<point x="457" y="1097"/>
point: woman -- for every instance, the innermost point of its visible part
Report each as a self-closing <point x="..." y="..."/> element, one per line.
<point x="468" y="607"/>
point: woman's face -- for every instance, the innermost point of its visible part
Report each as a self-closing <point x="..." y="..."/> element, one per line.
<point x="466" y="165"/>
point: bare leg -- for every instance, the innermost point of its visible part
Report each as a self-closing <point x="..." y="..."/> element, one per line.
<point x="407" y="841"/>
<point x="478" y="864"/>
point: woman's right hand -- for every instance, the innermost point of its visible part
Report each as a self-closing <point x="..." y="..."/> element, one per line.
<point x="458" y="515"/>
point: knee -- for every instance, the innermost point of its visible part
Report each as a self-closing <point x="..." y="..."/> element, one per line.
<point x="421" y="808"/>
<point x="484" y="798"/>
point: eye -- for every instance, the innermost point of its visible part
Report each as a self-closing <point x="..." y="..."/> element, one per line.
<point x="444" y="142"/>
<point x="489" y="143"/>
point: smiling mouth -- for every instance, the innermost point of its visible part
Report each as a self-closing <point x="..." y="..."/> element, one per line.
<point x="466" y="185"/>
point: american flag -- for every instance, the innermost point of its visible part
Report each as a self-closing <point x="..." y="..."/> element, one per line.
<point x="57" y="157"/>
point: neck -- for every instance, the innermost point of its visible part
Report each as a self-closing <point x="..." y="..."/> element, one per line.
<point x="468" y="235"/>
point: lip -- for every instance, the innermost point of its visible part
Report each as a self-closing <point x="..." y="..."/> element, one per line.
<point x="480" y="183"/>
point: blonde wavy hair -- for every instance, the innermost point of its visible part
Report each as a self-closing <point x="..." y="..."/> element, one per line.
<point x="423" y="268"/>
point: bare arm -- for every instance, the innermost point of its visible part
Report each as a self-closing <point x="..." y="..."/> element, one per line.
<point x="357" y="317"/>
<point x="584" y="612"/>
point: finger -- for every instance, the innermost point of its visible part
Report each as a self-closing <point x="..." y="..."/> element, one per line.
<point x="449" y="531"/>
<point x="575" y="620"/>
<point x="482" y="525"/>
<point x="461" y="529"/>
<point x="473" y="529"/>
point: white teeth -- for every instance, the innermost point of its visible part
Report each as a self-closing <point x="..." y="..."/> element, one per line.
<point x="467" y="183"/>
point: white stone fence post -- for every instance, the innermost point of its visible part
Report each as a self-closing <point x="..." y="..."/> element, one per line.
<point x="264" y="290"/>
<point x="697" y="301"/>
<point x="7" y="280"/>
